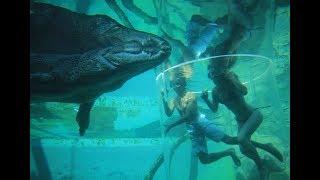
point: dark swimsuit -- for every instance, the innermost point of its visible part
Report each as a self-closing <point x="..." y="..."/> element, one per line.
<point x="228" y="98"/>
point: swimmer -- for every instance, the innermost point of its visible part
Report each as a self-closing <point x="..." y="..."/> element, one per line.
<point x="240" y="23"/>
<point x="230" y="92"/>
<point x="198" y="126"/>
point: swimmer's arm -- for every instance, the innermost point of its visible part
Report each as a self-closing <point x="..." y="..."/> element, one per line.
<point x="172" y="125"/>
<point x="183" y="119"/>
<point x="168" y="106"/>
<point x="190" y="111"/>
<point x="242" y="89"/>
<point x="214" y="104"/>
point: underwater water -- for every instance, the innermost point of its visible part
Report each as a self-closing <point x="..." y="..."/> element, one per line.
<point x="125" y="139"/>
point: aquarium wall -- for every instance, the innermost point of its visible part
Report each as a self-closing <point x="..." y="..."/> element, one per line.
<point x="93" y="158"/>
<point x="126" y="140"/>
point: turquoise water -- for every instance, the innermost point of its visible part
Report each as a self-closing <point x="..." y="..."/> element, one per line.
<point x="126" y="137"/>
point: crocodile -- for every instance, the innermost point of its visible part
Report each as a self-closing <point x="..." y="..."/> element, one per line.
<point x="75" y="58"/>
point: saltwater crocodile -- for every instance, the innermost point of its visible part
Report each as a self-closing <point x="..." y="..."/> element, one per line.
<point x="75" y="58"/>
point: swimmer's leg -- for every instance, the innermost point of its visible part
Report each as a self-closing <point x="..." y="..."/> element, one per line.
<point x="266" y="147"/>
<point x="206" y="158"/>
<point x="246" y="147"/>
<point x="270" y="149"/>
<point x="212" y="132"/>
<point x="230" y="140"/>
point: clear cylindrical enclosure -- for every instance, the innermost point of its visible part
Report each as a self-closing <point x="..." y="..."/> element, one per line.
<point x="256" y="73"/>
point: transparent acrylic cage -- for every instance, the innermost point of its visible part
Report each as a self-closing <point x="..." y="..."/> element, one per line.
<point x="256" y="73"/>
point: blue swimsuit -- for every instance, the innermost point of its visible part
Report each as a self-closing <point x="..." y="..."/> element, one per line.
<point x="199" y="130"/>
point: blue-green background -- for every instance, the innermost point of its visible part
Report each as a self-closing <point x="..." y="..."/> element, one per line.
<point x="124" y="137"/>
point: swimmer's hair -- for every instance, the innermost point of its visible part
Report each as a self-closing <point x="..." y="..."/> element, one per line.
<point x="178" y="74"/>
<point x="231" y="62"/>
<point x="231" y="74"/>
<point x="184" y="72"/>
<point x="226" y="75"/>
<point x="222" y="20"/>
<point x="197" y="18"/>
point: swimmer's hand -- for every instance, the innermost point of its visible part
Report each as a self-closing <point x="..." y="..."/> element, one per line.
<point x="148" y="177"/>
<point x="204" y="95"/>
<point x="167" y="127"/>
<point x="162" y="93"/>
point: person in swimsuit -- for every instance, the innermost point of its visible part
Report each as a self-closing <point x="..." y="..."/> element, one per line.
<point x="230" y="92"/>
<point x="243" y="18"/>
<point x="198" y="126"/>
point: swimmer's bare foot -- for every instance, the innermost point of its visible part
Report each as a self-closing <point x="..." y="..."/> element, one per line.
<point x="147" y="177"/>
<point x="235" y="158"/>
<point x="275" y="152"/>
<point x="264" y="174"/>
